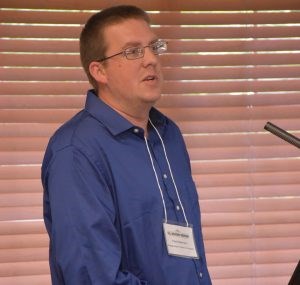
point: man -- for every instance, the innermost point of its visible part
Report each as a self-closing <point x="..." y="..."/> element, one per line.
<point x="120" y="205"/>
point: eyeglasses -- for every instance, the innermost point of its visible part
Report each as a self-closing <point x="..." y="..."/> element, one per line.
<point x="157" y="47"/>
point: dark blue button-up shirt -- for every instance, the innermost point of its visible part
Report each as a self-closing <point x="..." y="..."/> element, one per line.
<point x="102" y="206"/>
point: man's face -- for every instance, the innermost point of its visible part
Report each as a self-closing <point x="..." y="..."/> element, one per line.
<point x="131" y="84"/>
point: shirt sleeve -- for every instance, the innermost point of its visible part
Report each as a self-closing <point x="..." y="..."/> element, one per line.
<point x="80" y="216"/>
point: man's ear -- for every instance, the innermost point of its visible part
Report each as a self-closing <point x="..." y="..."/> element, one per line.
<point x="98" y="72"/>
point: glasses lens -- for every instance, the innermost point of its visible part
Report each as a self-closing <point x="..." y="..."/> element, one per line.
<point x="159" y="47"/>
<point x="134" y="52"/>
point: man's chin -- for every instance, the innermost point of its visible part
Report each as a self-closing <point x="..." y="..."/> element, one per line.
<point x="152" y="97"/>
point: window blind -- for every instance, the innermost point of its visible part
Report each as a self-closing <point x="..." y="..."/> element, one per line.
<point x="231" y="67"/>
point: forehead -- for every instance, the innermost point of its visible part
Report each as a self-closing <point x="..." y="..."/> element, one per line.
<point x="128" y="31"/>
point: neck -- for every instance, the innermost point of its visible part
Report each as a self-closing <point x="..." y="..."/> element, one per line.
<point x="137" y="120"/>
<point x="137" y="115"/>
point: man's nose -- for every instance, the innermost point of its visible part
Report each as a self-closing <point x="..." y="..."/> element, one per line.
<point x="150" y="57"/>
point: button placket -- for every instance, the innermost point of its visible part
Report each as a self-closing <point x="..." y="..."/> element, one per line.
<point x="170" y="197"/>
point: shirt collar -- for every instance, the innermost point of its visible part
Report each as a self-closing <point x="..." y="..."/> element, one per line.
<point x="112" y="120"/>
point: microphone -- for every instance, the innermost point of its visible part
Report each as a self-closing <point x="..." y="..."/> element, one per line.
<point x="282" y="134"/>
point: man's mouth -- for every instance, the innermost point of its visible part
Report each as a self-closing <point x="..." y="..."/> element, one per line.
<point x="150" y="78"/>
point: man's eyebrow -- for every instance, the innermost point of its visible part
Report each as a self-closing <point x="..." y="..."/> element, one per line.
<point x="136" y="44"/>
<point x="131" y="44"/>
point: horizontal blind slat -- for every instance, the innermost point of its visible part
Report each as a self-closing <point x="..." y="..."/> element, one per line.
<point x="24" y="269"/>
<point x="23" y="241"/>
<point x="20" y="199"/>
<point x="195" y="114"/>
<point x="174" y="46"/>
<point x="233" y="126"/>
<point x="162" y="18"/>
<point x="194" y="142"/>
<point x="170" y="73"/>
<point x="21" y="213"/>
<point x="61" y="101"/>
<point x="20" y="186"/>
<point x="168" y="60"/>
<point x="233" y="245"/>
<point x="36" y="279"/>
<point x="167" y="32"/>
<point x="22" y="227"/>
<point x="159" y="5"/>
<point x="169" y="87"/>
<point x="280" y="190"/>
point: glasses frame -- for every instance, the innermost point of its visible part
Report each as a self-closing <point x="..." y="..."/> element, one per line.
<point x="125" y="52"/>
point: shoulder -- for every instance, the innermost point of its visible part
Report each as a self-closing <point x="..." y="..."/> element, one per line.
<point x="75" y="134"/>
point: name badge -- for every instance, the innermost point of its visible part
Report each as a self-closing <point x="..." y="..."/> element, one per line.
<point x="180" y="240"/>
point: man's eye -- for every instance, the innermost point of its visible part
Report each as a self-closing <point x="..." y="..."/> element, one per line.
<point x="158" y="47"/>
<point x="133" y="51"/>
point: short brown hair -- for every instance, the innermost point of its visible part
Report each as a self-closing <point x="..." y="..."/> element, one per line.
<point x="92" y="45"/>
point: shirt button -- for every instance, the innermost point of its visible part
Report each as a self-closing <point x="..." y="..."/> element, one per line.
<point x="177" y="207"/>
<point x="200" y="275"/>
<point x="165" y="176"/>
<point x="136" y="130"/>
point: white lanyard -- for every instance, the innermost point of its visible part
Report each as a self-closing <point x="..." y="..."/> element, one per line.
<point x="171" y="173"/>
